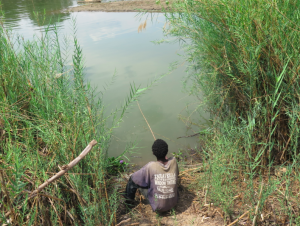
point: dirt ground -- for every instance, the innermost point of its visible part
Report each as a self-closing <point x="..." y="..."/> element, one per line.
<point x="195" y="207"/>
<point x="189" y="211"/>
<point x="121" y="6"/>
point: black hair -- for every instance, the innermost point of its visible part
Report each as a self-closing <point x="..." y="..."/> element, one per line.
<point x="160" y="149"/>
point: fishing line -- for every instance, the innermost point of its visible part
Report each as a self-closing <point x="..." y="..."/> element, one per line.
<point x="146" y="120"/>
<point x="152" y="131"/>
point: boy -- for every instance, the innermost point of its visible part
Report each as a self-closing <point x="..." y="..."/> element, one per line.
<point x="156" y="180"/>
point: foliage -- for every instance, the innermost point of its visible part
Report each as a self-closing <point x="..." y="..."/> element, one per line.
<point x="179" y="155"/>
<point x="115" y="165"/>
<point x="244" y="57"/>
<point x="48" y="115"/>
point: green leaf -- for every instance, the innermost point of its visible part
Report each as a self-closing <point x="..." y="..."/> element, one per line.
<point x="141" y="90"/>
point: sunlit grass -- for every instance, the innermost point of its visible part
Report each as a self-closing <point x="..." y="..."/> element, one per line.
<point x="244" y="57"/>
<point x="48" y="115"/>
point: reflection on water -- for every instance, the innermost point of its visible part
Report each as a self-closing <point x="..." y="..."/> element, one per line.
<point x="110" y="44"/>
<point x="40" y="12"/>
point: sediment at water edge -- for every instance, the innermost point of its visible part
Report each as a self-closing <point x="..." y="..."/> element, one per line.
<point x="122" y="6"/>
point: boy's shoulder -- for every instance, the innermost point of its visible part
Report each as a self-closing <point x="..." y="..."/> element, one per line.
<point x="172" y="159"/>
<point x="149" y="164"/>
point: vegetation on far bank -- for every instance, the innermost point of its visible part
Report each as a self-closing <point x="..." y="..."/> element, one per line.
<point x="244" y="56"/>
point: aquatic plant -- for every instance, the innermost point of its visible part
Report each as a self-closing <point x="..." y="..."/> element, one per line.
<point x="244" y="57"/>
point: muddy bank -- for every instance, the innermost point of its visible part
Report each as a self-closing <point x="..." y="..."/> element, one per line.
<point x="122" y="6"/>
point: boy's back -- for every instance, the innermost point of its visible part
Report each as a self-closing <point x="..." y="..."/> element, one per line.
<point x="162" y="183"/>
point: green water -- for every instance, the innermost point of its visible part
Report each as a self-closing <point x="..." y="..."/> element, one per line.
<point x="39" y="12"/>
<point x="112" y="45"/>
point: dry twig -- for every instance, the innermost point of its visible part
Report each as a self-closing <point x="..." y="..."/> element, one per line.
<point x="185" y="171"/>
<point x="59" y="220"/>
<point x="65" y="168"/>
<point x="189" y="136"/>
<point x="257" y="206"/>
<point x="12" y="212"/>
<point x="124" y="221"/>
<point x="234" y="222"/>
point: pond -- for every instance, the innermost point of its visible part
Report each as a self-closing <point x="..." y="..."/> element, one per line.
<point x="115" y="51"/>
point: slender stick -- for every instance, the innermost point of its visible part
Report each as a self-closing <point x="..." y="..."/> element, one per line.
<point x="189" y="135"/>
<point x="124" y="221"/>
<point x="146" y="120"/>
<point x="234" y="222"/>
<point x="8" y="198"/>
<point x="65" y="168"/>
<point x="259" y="197"/>
<point x="107" y="200"/>
<point x="197" y="168"/>
<point x="59" y="220"/>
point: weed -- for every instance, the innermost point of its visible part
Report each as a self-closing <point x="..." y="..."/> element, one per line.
<point x="158" y="218"/>
<point x="179" y="155"/>
<point x="173" y="213"/>
<point x="115" y="166"/>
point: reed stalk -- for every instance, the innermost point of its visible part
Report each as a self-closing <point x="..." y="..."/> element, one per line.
<point x="243" y="57"/>
<point x="48" y="113"/>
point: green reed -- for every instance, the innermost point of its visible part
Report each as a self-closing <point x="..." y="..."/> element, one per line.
<point x="48" y="115"/>
<point x="244" y="56"/>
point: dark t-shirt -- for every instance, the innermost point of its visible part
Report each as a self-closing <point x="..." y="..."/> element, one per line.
<point x="162" y="182"/>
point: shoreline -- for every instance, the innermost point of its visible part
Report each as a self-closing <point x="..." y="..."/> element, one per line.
<point x="121" y="6"/>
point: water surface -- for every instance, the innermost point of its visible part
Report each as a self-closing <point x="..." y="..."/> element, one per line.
<point x="112" y="45"/>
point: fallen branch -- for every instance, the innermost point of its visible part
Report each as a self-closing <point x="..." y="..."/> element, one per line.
<point x="81" y="200"/>
<point x="124" y="221"/>
<point x="189" y="136"/>
<point x="256" y="209"/>
<point x="197" y="168"/>
<point x="65" y="168"/>
<point x="237" y="220"/>
<point x="199" y="164"/>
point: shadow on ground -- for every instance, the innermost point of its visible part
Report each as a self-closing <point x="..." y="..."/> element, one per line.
<point x="189" y="211"/>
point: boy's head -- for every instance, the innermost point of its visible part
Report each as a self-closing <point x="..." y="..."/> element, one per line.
<point x="160" y="149"/>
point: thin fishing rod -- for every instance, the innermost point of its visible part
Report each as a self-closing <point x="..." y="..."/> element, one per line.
<point x="146" y="120"/>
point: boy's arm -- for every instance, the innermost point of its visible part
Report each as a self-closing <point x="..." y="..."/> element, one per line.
<point x="142" y="176"/>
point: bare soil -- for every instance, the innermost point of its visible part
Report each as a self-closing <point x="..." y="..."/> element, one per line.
<point x="189" y="211"/>
<point x="122" y="6"/>
<point x="196" y="208"/>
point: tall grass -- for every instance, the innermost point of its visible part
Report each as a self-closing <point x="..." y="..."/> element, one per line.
<point x="48" y="115"/>
<point x="244" y="56"/>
